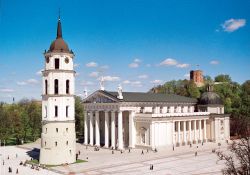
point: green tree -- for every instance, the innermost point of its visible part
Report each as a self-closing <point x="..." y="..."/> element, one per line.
<point x="223" y="78"/>
<point x="79" y="116"/>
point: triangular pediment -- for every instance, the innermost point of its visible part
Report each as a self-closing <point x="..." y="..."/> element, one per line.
<point x="101" y="97"/>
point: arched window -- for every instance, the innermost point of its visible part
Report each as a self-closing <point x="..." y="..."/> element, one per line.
<point x="44" y="143"/>
<point x="55" y="143"/>
<point x="67" y="142"/>
<point x="46" y="87"/>
<point x="67" y="86"/>
<point x="67" y="129"/>
<point x="56" y="129"/>
<point x="56" y="86"/>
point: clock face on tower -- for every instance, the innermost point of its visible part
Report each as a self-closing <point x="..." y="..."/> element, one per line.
<point x="66" y="60"/>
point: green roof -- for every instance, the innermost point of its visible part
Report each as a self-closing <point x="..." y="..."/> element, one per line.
<point x="151" y="97"/>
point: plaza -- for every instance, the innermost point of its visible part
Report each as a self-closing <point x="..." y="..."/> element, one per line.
<point x="165" y="161"/>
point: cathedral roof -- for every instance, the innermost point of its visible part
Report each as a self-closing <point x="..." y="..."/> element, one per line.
<point x="210" y="97"/>
<point x="59" y="45"/>
<point x="151" y="97"/>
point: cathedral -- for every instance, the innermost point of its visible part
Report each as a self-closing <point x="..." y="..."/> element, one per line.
<point x="117" y="119"/>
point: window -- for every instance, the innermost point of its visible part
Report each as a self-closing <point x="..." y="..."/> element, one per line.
<point x="46" y="130"/>
<point x="56" y="86"/>
<point x="67" y="142"/>
<point x="67" y="86"/>
<point x="56" y="129"/>
<point x="57" y="63"/>
<point x="46" y="87"/>
<point x="70" y="152"/>
<point x="67" y="111"/>
<point x="44" y="143"/>
<point x="55" y="143"/>
<point x="67" y="129"/>
<point x="56" y="111"/>
<point x="46" y="112"/>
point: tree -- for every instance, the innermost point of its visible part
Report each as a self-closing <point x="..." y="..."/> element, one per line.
<point x="35" y="116"/>
<point x="79" y="116"/>
<point x="193" y="90"/>
<point x="223" y="78"/>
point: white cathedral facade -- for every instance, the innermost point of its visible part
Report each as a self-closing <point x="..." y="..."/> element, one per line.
<point x="120" y="120"/>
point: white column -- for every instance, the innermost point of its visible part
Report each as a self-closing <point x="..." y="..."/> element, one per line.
<point x="179" y="132"/>
<point x="184" y="133"/>
<point x="106" y="123"/>
<point x="200" y="131"/>
<point x="91" y="141"/>
<point x="86" y="128"/>
<point x="113" y="129"/>
<point x="132" y="132"/>
<point x="205" y="130"/>
<point x="174" y="133"/>
<point x="97" y="130"/>
<point x="195" y="135"/>
<point x="120" y="131"/>
<point x="190" y="131"/>
<point x="216" y="129"/>
<point x="152" y="135"/>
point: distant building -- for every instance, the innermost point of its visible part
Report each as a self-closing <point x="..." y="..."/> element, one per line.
<point x="58" y="138"/>
<point x="197" y="77"/>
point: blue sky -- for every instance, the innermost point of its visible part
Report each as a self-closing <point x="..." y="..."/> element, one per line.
<point x="138" y="43"/>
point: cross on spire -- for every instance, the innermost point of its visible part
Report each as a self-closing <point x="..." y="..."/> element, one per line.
<point x="59" y="26"/>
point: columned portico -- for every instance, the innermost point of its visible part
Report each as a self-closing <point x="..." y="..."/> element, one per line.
<point x="106" y="125"/>
<point x="132" y="131"/>
<point x="113" y="129"/>
<point x="85" y="128"/>
<point x="120" y="131"/>
<point x="97" y="129"/>
<point x="91" y="139"/>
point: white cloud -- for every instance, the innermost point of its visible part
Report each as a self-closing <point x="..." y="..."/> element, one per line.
<point x="91" y="64"/>
<point x="6" y="90"/>
<point x="133" y="83"/>
<point x="137" y="60"/>
<point x="156" y="81"/>
<point x="133" y="65"/>
<point x="29" y="81"/>
<point x="148" y="65"/>
<point x="39" y="72"/>
<point x="87" y="83"/>
<point x="32" y="81"/>
<point x="143" y="76"/>
<point x="21" y="83"/>
<point x="232" y="25"/>
<point x="94" y="74"/>
<point x="182" y="65"/>
<point x="168" y="62"/>
<point x="214" y="62"/>
<point x="111" y="78"/>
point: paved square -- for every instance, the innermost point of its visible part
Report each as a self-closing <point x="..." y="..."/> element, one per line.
<point x="165" y="161"/>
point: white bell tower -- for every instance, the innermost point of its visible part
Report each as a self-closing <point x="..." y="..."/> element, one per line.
<point x="58" y="138"/>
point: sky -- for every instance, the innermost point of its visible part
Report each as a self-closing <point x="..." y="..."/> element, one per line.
<point x="136" y="43"/>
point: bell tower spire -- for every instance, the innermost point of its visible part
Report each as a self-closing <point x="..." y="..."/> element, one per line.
<point x="59" y="26"/>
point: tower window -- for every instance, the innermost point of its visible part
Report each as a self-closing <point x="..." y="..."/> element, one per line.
<point x="56" y="129"/>
<point x="46" y="130"/>
<point x="56" y="111"/>
<point x="67" y="111"/>
<point x="57" y="63"/>
<point x="67" y="129"/>
<point x="67" y="142"/>
<point x="56" y="86"/>
<point x="44" y="143"/>
<point x="46" y="112"/>
<point x="55" y="143"/>
<point x="46" y="87"/>
<point x="67" y="86"/>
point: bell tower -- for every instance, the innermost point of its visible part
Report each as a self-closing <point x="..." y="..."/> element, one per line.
<point x="58" y="138"/>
